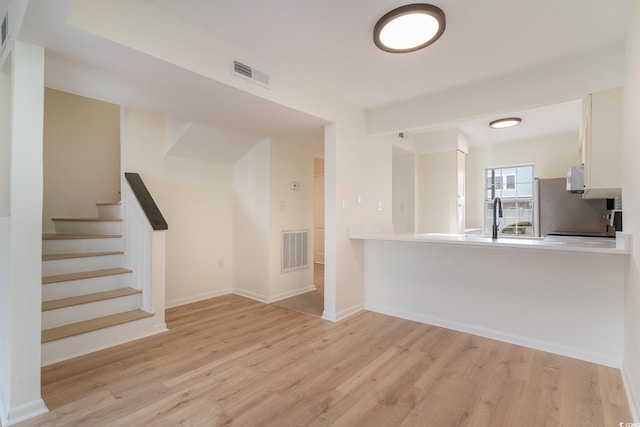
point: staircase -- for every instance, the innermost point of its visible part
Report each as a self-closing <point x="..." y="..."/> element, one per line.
<point x="89" y="300"/>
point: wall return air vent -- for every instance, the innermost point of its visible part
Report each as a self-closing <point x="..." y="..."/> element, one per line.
<point x="248" y="72"/>
<point x="294" y="249"/>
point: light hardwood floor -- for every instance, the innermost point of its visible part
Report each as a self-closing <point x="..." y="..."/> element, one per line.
<point x="233" y="361"/>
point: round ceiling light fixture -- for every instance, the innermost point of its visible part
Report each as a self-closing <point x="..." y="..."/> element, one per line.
<point x="409" y="28"/>
<point x="505" y="123"/>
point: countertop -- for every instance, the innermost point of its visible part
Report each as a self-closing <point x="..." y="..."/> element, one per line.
<point x="620" y="245"/>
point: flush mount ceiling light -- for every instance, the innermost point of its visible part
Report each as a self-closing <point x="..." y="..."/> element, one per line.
<point x="505" y="123"/>
<point x="409" y="28"/>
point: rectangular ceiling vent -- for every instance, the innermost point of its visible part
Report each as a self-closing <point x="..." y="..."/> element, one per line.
<point x="4" y="32"/>
<point x="250" y="73"/>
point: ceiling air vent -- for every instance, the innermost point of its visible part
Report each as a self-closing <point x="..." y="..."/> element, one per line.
<point x="247" y="72"/>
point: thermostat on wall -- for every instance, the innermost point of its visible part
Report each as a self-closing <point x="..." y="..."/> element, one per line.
<point x="293" y="185"/>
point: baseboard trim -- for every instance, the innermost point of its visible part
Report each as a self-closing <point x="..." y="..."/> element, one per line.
<point x="631" y="396"/>
<point x="195" y="298"/>
<point x="293" y="293"/>
<point x="251" y="295"/>
<point x="271" y="299"/>
<point x="341" y="315"/>
<point x="330" y="316"/>
<point x="241" y="292"/>
<point x="24" y="412"/>
<point x="562" y="350"/>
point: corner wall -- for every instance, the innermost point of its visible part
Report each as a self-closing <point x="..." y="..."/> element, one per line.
<point x="631" y="207"/>
<point x="264" y="206"/>
<point x="251" y="223"/>
<point x="195" y="198"/>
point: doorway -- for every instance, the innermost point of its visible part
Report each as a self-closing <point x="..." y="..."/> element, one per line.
<point x="312" y="302"/>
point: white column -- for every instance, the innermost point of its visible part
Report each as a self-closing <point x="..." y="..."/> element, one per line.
<point x="330" y="223"/>
<point x="21" y="338"/>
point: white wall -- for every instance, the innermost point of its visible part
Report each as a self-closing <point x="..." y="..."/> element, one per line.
<point x="20" y="357"/>
<point x="5" y="240"/>
<point x="362" y="166"/>
<point x="290" y="210"/>
<point x="200" y="236"/>
<point x="5" y="317"/>
<point x="403" y="192"/>
<point x="631" y="207"/>
<point x="436" y="190"/>
<point x="550" y="156"/>
<point x="5" y="141"/>
<point x="81" y="155"/>
<point x="196" y="200"/>
<point x="251" y="211"/>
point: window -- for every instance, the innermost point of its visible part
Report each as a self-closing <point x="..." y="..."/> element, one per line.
<point x="514" y="186"/>
<point x="511" y="182"/>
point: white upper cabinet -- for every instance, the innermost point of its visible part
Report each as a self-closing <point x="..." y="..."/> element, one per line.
<point x="602" y="133"/>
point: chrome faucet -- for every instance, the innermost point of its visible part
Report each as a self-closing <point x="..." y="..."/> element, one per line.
<point x="497" y="213"/>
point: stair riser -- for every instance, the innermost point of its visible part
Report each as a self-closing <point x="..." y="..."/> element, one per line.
<point x="79" y="313"/>
<point x="109" y="211"/>
<point x="82" y="245"/>
<point x="85" y="286"/>
<point x="66" y="348"/>
<point x="72" y="265"/>
<point x="81" y="227"/>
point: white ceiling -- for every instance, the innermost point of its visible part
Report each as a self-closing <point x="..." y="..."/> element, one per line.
<point x="536" y="123"/>
<point x="329" y="43"/>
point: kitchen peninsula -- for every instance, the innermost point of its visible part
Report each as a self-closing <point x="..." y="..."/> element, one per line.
<point x="562" y="295"/>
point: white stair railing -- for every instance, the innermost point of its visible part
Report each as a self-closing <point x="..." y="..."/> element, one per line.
<point x="144" y="245"/>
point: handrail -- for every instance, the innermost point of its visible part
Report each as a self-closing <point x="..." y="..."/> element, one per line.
<point x="147" y="203"/>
